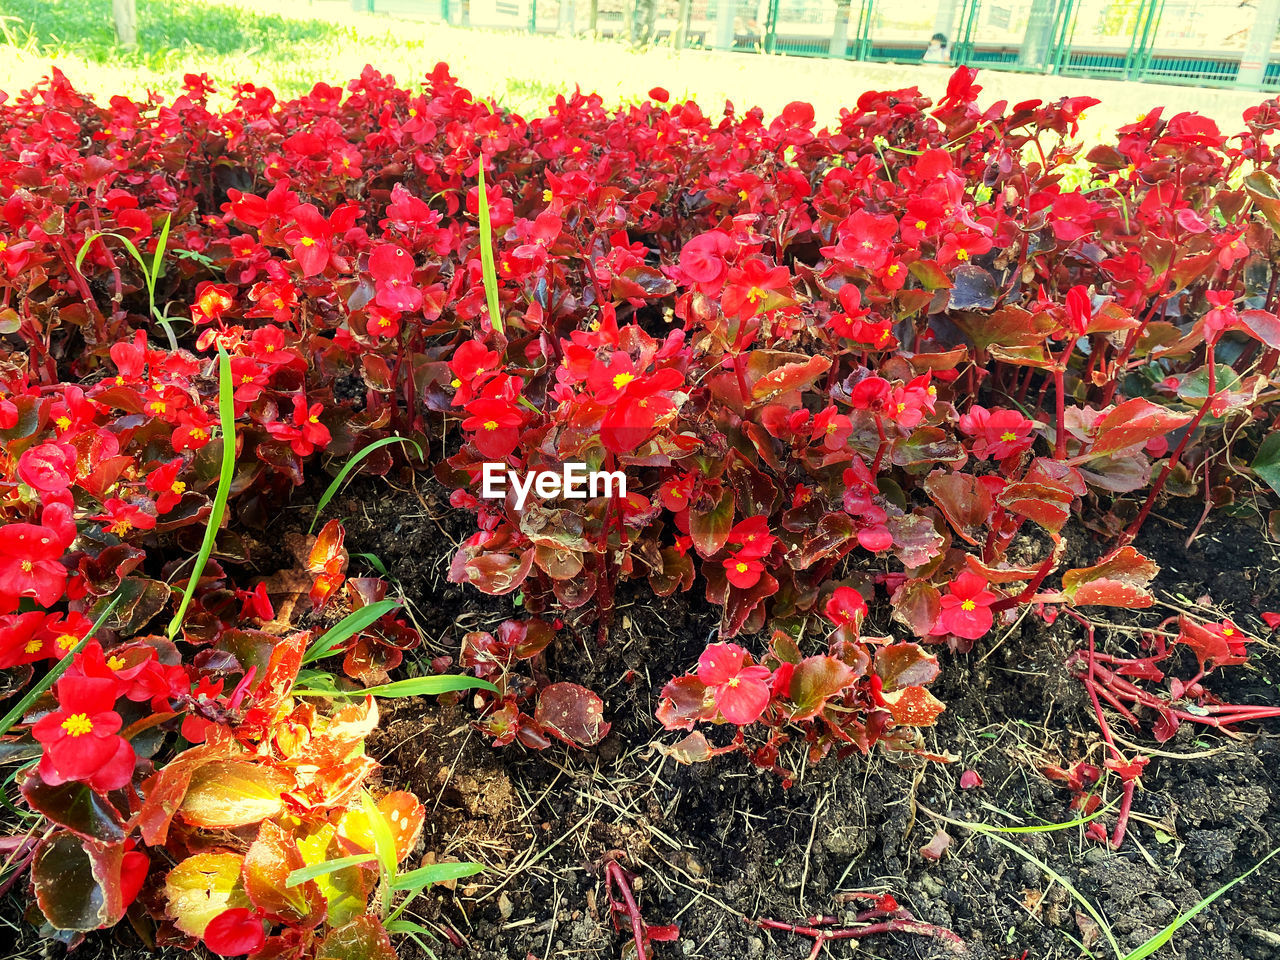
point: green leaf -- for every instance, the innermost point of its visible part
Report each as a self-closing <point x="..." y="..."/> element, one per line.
<point x="303" y="874"/>
<point x="434" y="873"/>
<point x="384" y="842"/>
<point x="414" y="687"/>
<point x="1165" y="935"/>
<point x="486" y="255"/>
<point x="354" y="462"/>
<point x="1266" y="464"/>
<point x="346" y="628"/>
<point x="227" y="416"/>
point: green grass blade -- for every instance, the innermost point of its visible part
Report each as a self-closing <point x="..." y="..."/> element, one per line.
<point x="1165" y="935"/>
<point x="1046" y="827"/>
<point x="413" y="687"/>
<point x="434" y="873"/>
<point x="486" y="255"/>
<point x="21" y="707"/>
<point x="384" y="843"/>
<point x="348" y="627"/>
<point x="227" y="416"/>
<point x="162" y="243"/>
<point x="332" y="490"/>
<point x="994" y="834"/>
<point x="303" y="874"/>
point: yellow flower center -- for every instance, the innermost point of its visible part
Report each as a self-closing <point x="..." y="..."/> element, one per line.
<point x="64" y="423"/>
<point x="962" y="254"/>
<point x="920" y="224"/>
<point x="114" y="662"/>
<point x="741" y="567"/>
<point x="198" y="434"/>
<point x="734" y="682"/>
<point x="622" y="379"/>
<point x="968" y="605"/>
<point x="547" y="195"/>
<point x="755" y="295"/>
<point x="32" y="646"/>
<point x="27" y="566"/>
<point x="77" y="725"/>
<point x="491" y="424"/>
<point x="1008" y="436"/>
<point x="178" y="487"/>
<point x="308" y="242"/>
<point x="67" y="641"/>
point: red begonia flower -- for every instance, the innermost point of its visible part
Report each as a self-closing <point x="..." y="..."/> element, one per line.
<point x="740" y="688"/>
<point x="235" y="932"/>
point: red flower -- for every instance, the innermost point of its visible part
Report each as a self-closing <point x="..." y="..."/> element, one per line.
<point x="310" y="241"/>
<point x="213" y="300"/>
<point x="753" y="288"/>
<point x="740" y="688"/>
<point x="845" y="608"/>
<point x="832" y="428"/>
<point x="81" y="740"/>
<point x="306" y="433"/>
<point x="164" y="481"/>
<point x="48" y="467"/>
<point x="29" y="564"/>
<point x="966" y="610"/>
<point x="999" y="433"/>
<point x="494" y="426"/>
<point x="122" y="517"/>
<point x="752" y="537"/>
<point x="1079" y="310"/>
<point x="235" y="932"/>
<point x="702" y="260"/>
<point x="743" y="572"/>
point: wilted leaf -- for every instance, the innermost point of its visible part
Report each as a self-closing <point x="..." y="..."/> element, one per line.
<point x="201" y="887"/>
<point x="905" y="665"/>
<point x="572" y="713"/>
<point x="1120" y="580"/>
<point x="913" y="706"/>
<point x="964" y="500"/>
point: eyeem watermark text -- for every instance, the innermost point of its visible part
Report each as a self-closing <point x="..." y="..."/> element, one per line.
<point x="573" y="482"/>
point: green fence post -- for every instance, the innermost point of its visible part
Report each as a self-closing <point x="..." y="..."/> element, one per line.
<point x="862" y="47"/>
<point x="533" y="16"/>
<point x="962" y="47"/>
<point x="1144" y="35"/>
<point x="770" y="25"/>
<point x="1064" y="30"/>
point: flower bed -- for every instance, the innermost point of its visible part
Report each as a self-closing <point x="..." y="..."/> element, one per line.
<point x="868" y="374"/>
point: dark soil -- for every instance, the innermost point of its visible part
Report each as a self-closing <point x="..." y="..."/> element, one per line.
<point x="717" y="842"/>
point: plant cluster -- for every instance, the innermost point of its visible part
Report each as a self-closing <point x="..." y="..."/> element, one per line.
<point x="876" y="372"/>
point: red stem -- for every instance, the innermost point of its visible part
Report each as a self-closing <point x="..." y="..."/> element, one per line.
<point x="1128" y="535"/>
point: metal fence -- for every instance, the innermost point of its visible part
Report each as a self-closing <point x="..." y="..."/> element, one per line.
<point x="1214" y="43"/>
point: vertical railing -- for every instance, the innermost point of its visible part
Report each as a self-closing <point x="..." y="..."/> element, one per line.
<point x="1144" y="35"/>
<point x="1132" y="48"/>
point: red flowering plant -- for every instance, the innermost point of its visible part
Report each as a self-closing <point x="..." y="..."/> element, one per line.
<point x="870" y="375"/>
